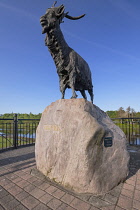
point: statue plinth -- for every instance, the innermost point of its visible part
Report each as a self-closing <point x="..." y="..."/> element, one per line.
<point x="70" y="147"/>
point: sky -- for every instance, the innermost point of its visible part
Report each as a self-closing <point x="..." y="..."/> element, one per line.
<point x="108" y="38"/>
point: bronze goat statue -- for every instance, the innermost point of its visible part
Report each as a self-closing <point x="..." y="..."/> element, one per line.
<point x="72" y="69"/>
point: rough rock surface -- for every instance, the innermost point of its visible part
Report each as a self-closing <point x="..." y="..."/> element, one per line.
<point x="70" y="148"/>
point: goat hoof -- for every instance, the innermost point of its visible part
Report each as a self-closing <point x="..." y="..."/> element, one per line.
<point x="74" y="96"/>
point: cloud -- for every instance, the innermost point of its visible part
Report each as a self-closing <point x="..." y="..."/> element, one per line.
<point x="128" y="7"/>
<point x="103" y="46"/>
<point x="17" y="10"/>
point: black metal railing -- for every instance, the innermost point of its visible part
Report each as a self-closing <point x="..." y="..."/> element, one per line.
<point x="17" y="132"/>
<point x="131" y="128"/>
<point x="22" y="132"/>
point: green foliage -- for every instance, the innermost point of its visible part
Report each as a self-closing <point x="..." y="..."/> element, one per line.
<point x="21" y="116"/>
<point x="121" y="113"/>
<point x="112" y="114"/>
<point x="137" y="114"/>
<point x="5" y="143"/>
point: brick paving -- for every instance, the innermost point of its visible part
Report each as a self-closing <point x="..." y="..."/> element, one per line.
<point x="22" y="187"/>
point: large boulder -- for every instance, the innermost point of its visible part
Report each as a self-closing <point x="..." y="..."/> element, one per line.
<point x="70" y="147"/>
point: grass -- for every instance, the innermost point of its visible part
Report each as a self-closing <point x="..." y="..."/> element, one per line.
<point x="126" y="127"/>
<point x="5" y="143"/>
<point x="9" y="142"/>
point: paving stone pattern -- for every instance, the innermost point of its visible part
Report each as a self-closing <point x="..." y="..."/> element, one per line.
<point x="22" y="187"/>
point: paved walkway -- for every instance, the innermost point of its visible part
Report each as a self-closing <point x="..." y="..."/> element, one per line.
<point x="22" y="187"/>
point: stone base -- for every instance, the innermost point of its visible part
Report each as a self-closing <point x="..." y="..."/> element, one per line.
<point x="70" y="148"/>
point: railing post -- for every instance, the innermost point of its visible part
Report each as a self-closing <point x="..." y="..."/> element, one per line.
<point x="15" y="140"/>
<point x="129" y="133"/>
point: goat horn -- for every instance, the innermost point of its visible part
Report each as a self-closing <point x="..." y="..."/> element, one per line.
<point x="73" y="18"/>
<point x="54" y="4"/>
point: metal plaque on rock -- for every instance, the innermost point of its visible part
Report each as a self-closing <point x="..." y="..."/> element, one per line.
<point x="108" y="142"/>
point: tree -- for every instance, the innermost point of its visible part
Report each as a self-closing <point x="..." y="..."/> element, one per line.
<point x="128" y="111"/>
<point x="133" y="113"/>
<point x="121" y="112"/>
<point x="137" y="114"/>
<point x="112" y="114"/>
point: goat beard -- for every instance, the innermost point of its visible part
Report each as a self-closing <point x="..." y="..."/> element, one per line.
<point x="44" y="29"/>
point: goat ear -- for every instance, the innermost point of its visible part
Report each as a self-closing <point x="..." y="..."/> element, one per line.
<point x="59" y="11"/>
<point x="73" y="18"/>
